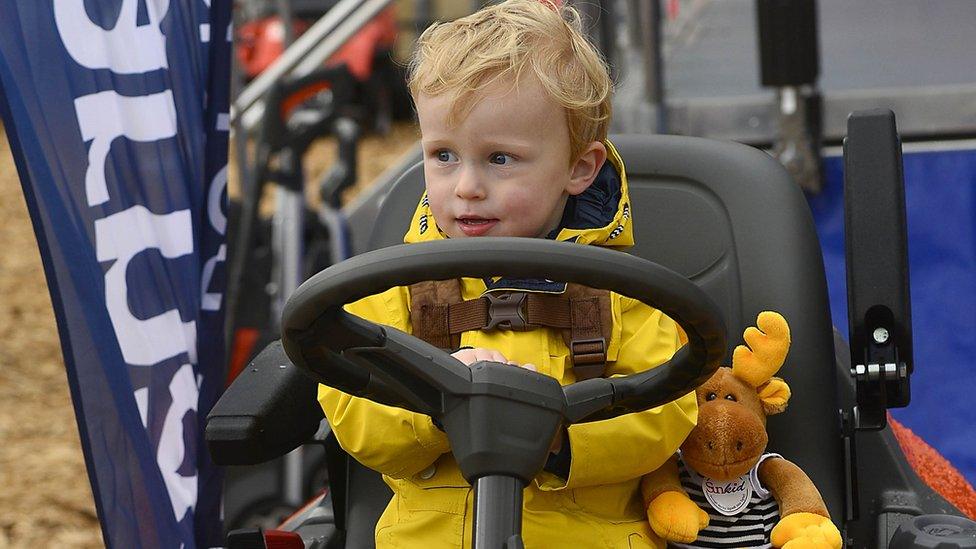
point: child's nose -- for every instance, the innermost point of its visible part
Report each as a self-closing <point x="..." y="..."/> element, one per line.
<point x="469" y="185"/>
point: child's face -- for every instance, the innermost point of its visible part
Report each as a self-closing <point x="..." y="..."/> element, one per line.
<point x="502" y="170"/>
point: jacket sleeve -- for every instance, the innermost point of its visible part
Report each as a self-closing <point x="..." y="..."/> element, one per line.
<point x="395" y="442"/>
<point x="631" y="445"/>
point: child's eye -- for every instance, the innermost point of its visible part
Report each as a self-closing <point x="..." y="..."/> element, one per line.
<point x="500" y="158"/>
<point x="445" y="156"/>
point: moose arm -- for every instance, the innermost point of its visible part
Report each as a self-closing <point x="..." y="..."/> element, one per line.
<point x="792" y="488"/>
<point x="670" y="511"/>
<point x="804" y="520"/>
<point x="664" y="479"/>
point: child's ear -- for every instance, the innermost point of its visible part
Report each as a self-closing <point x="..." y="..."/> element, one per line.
<point x="587" y="166"/>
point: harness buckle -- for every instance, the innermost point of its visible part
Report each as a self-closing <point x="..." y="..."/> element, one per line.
<point x="506" y="311"/>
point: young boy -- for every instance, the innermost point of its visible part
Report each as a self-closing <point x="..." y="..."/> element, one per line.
<point x="514" y="105"/>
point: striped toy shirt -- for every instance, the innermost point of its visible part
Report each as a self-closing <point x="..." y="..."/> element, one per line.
<point x="736" y="527"/>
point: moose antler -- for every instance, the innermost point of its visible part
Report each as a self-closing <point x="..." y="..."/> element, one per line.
<point x="767" y="348"/>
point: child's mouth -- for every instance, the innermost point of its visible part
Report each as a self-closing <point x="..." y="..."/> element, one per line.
<point x="475" y="226"/>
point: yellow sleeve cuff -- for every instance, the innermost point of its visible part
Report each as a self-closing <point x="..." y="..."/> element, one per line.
<point x="428" y="435"/>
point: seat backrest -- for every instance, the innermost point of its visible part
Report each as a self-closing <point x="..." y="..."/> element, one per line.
<point x="731" y="219"/>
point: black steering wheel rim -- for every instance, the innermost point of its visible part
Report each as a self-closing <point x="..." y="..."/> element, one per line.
<point x="317" y="304"/>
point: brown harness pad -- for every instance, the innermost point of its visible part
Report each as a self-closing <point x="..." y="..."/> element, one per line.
<point x="439" y="316"/>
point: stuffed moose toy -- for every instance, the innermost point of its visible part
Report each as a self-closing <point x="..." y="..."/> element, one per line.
<point x="722" y="489"/>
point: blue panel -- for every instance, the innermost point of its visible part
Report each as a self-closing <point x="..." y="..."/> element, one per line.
<point x="940" y="197"/>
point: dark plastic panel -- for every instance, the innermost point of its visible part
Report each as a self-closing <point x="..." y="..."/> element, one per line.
<point x="789" y="53"/>
<point x="877" y="248"/>
<point x="269" y="410"/>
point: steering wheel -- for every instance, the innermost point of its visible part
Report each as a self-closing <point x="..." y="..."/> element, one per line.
<point x="391" y="367"/>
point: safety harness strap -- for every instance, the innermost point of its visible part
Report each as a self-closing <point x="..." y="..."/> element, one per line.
<point x="429" y="311"/>
<point x="439" y="316"/>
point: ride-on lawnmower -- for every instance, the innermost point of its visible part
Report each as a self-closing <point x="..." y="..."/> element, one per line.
<point x="727" y="218"/>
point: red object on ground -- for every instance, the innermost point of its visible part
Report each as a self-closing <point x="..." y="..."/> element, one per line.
<point x="935" y="470"/>
<point x="359" y="52"/>
<point x="277" y="539"/>
<point x="241" y="350"/>
<point x="308" y="505"/>
<point x="260" y="42"/>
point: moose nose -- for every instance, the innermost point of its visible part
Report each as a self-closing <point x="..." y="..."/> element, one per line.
<point x="710" y="443"/>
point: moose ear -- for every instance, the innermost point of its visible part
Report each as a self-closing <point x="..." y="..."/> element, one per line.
<point x="774" y="394"/>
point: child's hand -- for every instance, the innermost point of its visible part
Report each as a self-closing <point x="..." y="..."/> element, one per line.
<point x="470" y="356"/>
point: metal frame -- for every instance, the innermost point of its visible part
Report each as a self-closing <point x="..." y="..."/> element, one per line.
<point x="932" y="111"/>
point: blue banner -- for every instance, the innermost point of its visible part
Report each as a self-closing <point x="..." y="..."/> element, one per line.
<point x="116" y="112"/>
<point x="940" y="199"/>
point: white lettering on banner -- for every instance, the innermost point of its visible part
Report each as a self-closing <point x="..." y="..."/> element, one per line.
<point x="210" y="301"/>
<point x="214" y="212"/>
<point x="223" y="122"/>
<point x="104" y="116"/>
<point x="172" y="449"/>
<point x="127" y="48"/>
<point x="121" y="237"/>
<point x="142" y="401"/>
<point x="205" y="27"/>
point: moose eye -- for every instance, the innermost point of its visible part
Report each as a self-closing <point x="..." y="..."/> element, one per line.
<point x="731" y="397"/>
<point x="711" y="396"/>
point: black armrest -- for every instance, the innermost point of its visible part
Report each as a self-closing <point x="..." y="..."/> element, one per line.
<point x="269" y="410"/>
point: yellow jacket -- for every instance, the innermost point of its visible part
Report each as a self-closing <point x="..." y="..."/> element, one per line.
<point x="599" y="505"/>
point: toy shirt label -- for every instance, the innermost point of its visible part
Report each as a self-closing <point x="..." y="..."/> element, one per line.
<point x="729" y="498"/>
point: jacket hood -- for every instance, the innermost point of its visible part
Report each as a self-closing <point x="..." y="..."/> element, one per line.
<point x="600" y="215"/>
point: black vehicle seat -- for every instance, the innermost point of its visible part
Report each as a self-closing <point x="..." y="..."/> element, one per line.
<point x="731" y="219"/>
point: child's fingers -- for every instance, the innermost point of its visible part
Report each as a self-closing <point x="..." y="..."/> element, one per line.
<point x="470" y="356"/>
<point x="488" y="354"/>
<point x="527" y="366"/>
<point x="464" y="355"/>
<point x="494" y="356"/>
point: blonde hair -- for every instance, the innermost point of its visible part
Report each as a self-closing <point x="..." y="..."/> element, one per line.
<point x="498" y="43"/>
